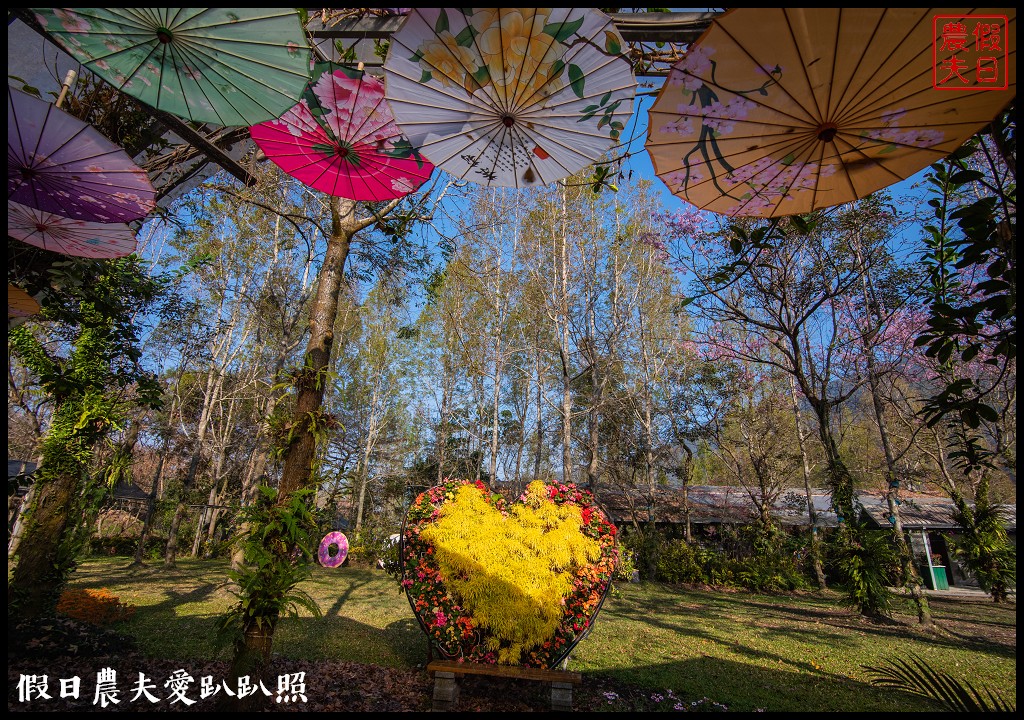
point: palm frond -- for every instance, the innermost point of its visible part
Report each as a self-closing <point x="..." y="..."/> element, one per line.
<point x="917" y="677"/>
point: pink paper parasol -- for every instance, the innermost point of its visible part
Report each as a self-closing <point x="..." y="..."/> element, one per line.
<point x="57" y="163"/>
<point x="341" y="139"/>
<point x="69" y="236"/>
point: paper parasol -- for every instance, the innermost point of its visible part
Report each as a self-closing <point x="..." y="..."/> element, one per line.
<point x="342" y="140"/>
<point x="19" y="303"/>
<point x="59" y="164"/>
<point x="510" y="97"/>
<point x="68" y="236"/>
<point x="779" y="111"/>
<point x="227" y="66"/>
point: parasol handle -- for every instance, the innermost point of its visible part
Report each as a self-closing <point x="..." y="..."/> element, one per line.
<point x="68" y="79"/>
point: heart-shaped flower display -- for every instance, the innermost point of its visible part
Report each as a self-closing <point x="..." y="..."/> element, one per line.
<point x="509" y="583"/>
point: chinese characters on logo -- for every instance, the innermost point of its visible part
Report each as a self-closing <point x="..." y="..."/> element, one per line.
<point x="291" y="688"/>
<point x="970" y="52"/>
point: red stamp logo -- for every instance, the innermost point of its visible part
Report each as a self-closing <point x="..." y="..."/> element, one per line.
<point x="970" y="52"/>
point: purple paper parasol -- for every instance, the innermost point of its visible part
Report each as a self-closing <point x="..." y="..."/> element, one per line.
<point x="57" y="163"/>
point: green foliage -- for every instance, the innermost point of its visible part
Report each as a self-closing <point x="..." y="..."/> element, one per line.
<point x="626" y="568"/>
<point x="772" y="567"/>
<point x="125" y="546"/>
<point x="278" y="546"/>
<point x="917" y="677"/>
<point x="866" y="564"/>
<point x="680" y="562"/>
<point x="975" y="228"/>
<point x="767" y="564"/>
<point x="983" y="545"/>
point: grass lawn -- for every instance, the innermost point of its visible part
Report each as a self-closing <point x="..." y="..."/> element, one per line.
<point x="745" y="651"/>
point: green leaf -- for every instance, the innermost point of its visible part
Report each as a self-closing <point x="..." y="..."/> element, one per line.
<point x="987" y="412"/>
<point x="465" y="36"/>
<point x="442" y="22"/>
<point x="562" y="31"/>
<point x="576" y="80"/>
<point x="965" y="176"/>
<point x="612" y="46"/>
<point x="426" y="77"/>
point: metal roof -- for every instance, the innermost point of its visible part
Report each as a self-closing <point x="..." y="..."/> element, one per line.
<point x="924" y="512"/>
<point x="728" y="504"/>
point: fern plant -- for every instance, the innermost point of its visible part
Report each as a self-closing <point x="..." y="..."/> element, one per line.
<point x="867" y="564"/>
<point x="917" y="677"/>
<point x="983" y="545"/>
<point x="278" y="548"/>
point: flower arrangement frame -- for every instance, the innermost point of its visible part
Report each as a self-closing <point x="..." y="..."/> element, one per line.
<point x="452" y="630"/>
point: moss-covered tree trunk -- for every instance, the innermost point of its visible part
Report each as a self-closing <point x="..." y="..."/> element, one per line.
<point x="43" y="564"/>
<point x="46" y="553"/>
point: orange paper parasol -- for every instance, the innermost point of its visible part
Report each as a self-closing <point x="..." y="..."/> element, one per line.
<point x="779" y="111"/>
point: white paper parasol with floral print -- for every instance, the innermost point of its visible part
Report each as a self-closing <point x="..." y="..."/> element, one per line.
<point x="511" y="97"/>
<point x="780" y="111"/>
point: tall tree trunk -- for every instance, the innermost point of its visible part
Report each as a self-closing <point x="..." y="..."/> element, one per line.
<point x="540" y="411"/>
<point x="214" y="380"/>
<point x="444" y="424"/>
<point x="364" y="464"/>
<point x="147" y="524"/>
<point x="812" y="513"/>
<point x="566" y="411"/>
<point x="252" y="655"/>
<point x="218" y="509"/>
<point x="44" y="557"/>
<point x="492" y="467"/>
<point x="204" y="518"/>
<point x="910" y="577"/>
<point x="593" y="425"/>
<point x="687" y="476"/>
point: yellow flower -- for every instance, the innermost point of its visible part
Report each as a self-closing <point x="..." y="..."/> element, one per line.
<point x="447" y="61"/>
<point x="516" y="50"/>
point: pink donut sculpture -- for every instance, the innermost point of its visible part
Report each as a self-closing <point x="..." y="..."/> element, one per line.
<point x="338" y="540"/>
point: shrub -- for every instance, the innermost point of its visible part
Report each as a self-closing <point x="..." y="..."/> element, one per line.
<point x="124" y="546"/>
<point x="626" y="570"/>
<point x="683" y="562"/>
<point x="866" y="565"/>
<point x="772" y="564"/>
